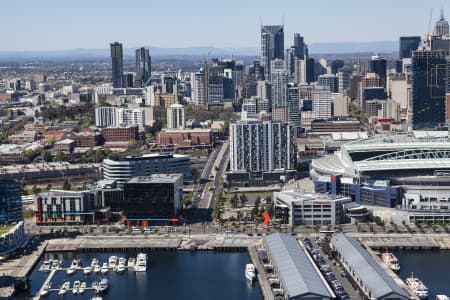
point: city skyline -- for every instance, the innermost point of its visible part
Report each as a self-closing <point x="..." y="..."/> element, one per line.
<point x="104" y="23"/>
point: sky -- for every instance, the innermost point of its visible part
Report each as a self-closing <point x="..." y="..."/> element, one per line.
<point x="31" y="25"/>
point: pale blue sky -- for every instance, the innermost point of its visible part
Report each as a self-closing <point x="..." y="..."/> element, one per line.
<point x="67" y="24"/>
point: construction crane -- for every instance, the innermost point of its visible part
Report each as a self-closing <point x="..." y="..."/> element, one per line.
<point x="428" y="34"/>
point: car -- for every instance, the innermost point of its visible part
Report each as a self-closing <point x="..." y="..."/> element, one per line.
<point x="250" y="234"/>
<point x="343" y="274"/>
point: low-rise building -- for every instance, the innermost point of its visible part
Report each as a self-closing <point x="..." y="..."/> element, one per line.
<point x="120" y="134"/>
<point x="66" y="145"/>
<point x="153" y="196"/>
<point x="12" y="239"/>
<point x="85" y="138"/>
<point x="58" y="207"/>
<point x="23" y="137"/>
<point x="303" y="208"/>
<point x="185" y="137"/>
<point x="299" y="277"/>
<point x="375" y="282"/>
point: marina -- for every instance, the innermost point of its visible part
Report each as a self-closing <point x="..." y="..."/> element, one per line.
<point x="165" y="270"/>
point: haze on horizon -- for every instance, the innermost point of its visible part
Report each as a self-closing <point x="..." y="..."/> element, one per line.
<point x="58" y="25"/>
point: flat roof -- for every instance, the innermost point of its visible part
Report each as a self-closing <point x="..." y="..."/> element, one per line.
<point x="378" y="282"/>
<point x="296" y="195"/>
<point x="295" y="269"/>
<point x="157" y="178"/>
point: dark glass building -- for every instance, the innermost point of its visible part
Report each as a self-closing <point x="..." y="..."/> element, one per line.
<point x="154" y="196"/>
<point x="143" y="65"/>
<point x="408" y="44"/>
<point x="299" y="46"/>
<point x="117" y="64"/>
<point x="10" y="202"/>
<point x="272" y="46"/>
<point x="429" y="77"/>
<point x="378" y="66"/>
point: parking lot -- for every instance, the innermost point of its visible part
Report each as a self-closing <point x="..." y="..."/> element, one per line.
<point x="335" y="275"/>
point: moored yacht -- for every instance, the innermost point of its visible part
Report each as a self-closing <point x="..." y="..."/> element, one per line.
<point x="417" y="286"/>
<point x="131" y="262"/>
<point x="391" y="261"/>
<point x="103" y="285"/>
<point x="250" y="272"/>
<point x="76" y="287"/>
<point x="141" y="262"/>
<point x="104" y="269"/>
<point x="112" y="261"/>
<point x="64" y="288"/>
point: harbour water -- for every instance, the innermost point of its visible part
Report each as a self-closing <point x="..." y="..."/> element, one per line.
<point x="170" y="275"/>
<point x="432" y="267"/>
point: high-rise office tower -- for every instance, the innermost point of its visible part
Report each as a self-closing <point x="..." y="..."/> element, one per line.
<point x="378" y="66"/>
<point x="329" y="81"/>
<point x="429" y="69"/>
<point x="293" y="106"/>
<point x="290" y="60"/>
<point x="215" y="89"/>
<point x="175" y="116"/>
<point x="441" y="27"/>
<point x="10" y="202"/>
<point x="272" y="46"/>
<point x="262" y="146"/>
<point x="322" y="103"/>
<point x="299" y="46"/>
<point x="143" y="65"/>
<point x="279" y="83"/>
<point x="198" y="88"/>
<point x="344" y="75"/>
<point x="117" y="64"/>
<point x="408" y="44"/>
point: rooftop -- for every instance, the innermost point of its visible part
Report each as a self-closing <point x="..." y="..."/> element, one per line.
<point x="296" y="195"/>
<point x="157" y="178"/>
<point x="295" y="269"/>
<point x="367" y="269"/>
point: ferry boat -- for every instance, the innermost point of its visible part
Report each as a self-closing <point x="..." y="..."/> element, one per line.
<point x="131" y="262"/>
<point x="141" y="262"/>
<point x="76" y="287"/>
<point x="82" y="288"/>
<point x="391" y="261"/>
<point x="104" y="268"/>
<point x="103" y="285"/>
<point x="417" y="286"/>
<point x="250" y="272"/>
<point x="112" y="261"/>
<point x="64" y="288"/>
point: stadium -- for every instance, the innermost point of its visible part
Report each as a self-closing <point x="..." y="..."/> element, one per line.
<point x="409" y="171"/>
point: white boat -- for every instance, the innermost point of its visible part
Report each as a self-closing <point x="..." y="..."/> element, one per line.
<point x="82" y="288"/>
<point x="391" y="261"/>
<point x="71" y="270"/>
<point x="97" y="268"/>
<point x="76" y="287"/>
<point x="73" y="267"/>
<point x="94" y="285"/>
<point x="94" y="262"/>
<point x="141" y="263"/>
<point x="250" y="272"/>
<point x="56" y="264"/>
<point x="87" y="270"/>
<point x="96" y="298"/>
<point x="122" y="260"/>
<point x="76" y="263"/>
<point x="64" y="288"/>
<point x="46" y="266"/>
<point x="103" y="285"/>
<point x="131" y="262"/>
<point x="417" y="286"/>
<point x="112" y="261"/>
<point x="442" y="297"/>
<point x="46" y="289"/>
<point x="105" y="268"/>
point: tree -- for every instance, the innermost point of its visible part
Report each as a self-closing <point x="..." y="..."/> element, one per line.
<point x="35" y="190"/>
<point x="234" y="201"/>
<point x="257" y="201"/>
<point x="268" y="199"/>
<point x="243" y="199"/>
<point x="46" y="156"/>
<point x="66" y="185"/>
<point x="59" y="156"/>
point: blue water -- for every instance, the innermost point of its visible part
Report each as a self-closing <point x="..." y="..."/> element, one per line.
<point x="170" y="275"/>
<point x="432" y="267"/>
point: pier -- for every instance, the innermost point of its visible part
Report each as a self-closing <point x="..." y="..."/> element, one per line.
<point x="264" y="284"/>
<point x="404" y="241"/>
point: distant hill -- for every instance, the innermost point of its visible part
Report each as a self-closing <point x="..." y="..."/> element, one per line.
<point x="317" y="48"/>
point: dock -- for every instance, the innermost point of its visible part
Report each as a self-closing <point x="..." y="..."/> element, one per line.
<point x="22" y="267"/>
<point x="46" y="282"/>
<point x="404" y="241"/>
<point x="264" y="284"/>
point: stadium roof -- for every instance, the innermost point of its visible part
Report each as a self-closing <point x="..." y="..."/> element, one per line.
<point x="295" y="270"/>
<point x="376" y="280"/>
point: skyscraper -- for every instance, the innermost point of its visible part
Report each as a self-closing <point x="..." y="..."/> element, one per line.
<point x="378" y="66"/>
<point x="279" y="83"/>
<point x="272" y="46"/>
<point x="408" y="44"/>
<point x="299" y="46"/>
<point x="10" y="202"/>
<point x="117" y="64"/>
<point x="441" y="27"/>
<point x="175" y="116"/>
<point x="428" y="94"/>
<point x="143" y="65"/>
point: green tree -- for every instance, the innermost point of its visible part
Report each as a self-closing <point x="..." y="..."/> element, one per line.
<point x="47" y="156"/>
<point x="59" y="156"/>
<point x="35" y="190"/>
<point x="66" y="185"/>
<point x="234" y="201"/>
<point x="243" y="199"/>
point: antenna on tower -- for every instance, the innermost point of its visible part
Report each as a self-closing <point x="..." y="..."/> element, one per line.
<point x="283" y="20"/>
<point x="260" y="21"/>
